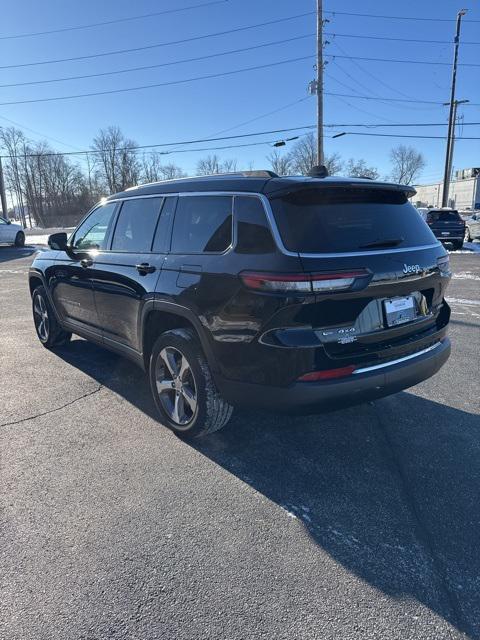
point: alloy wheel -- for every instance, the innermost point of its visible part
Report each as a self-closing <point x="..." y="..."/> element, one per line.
<point x="40" y="314"/>
<point x="176" y="386"/>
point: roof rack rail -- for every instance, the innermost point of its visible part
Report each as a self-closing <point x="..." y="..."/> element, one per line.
<point x="254" y="173"/>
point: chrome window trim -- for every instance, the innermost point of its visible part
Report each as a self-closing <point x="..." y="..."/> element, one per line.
<point x="391" y="362"/>
<point x="344" y="254"/>
<point x="274" y="228"/>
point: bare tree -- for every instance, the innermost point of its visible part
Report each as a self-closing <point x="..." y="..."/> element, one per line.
<point x="333" y="163"/>
<point x="212" y="164"/>
<point x="13" y="140"/>
<point x="359" y="169"/>
<point x="407" y="164"/>
<point x="209" y="165"/>
<point x="171" y="172"/>
<point x="303" y="157"/>
<point x="280" y="162"/>
<point x="152" y="169"/>
<point x="116" y="159"/>
<point x="229" y="165"/>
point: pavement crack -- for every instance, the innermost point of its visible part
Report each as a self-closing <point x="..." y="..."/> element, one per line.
<point x="422" y="530"/>
<point x="45" y="413"/>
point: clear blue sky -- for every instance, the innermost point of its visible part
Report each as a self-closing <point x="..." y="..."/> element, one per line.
<point x="199" y="109"/>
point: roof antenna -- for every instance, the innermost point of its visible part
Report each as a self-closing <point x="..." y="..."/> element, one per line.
<point x="318" y="171"/>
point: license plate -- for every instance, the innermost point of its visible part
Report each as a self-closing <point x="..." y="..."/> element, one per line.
<point x="400" y="310"/>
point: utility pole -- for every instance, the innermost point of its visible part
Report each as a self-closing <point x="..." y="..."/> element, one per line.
<point x="3" y="197"/>
<point x="451" y="121"/>
<point x="320" y="154"/>
<point x="452" y="141"/>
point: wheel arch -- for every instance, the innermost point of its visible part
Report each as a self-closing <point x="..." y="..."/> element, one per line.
<point x="159" y="317"/>
<point x="35" y="280"/>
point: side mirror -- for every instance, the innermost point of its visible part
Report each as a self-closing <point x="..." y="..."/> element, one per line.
<point x="9" y="221"/>
<point x="474" y="217"/>
<point x="58" y="241"/>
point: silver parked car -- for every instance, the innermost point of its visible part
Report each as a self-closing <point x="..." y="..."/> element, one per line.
<point x="472" y="226"/>
<point x="11" y="233"/>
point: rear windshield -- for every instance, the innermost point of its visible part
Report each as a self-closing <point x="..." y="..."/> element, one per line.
<point x="443" y="216"/>
<point x="338" y="220"/>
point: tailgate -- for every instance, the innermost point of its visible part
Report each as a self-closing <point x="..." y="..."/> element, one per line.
<point x="401" y="304"/>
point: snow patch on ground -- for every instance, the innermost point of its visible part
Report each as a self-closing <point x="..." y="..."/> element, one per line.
<point x="463" y="301"/>
<point x="36" y="240"/>
<point x="466" y="275"/>
<point x="468" y="247"/>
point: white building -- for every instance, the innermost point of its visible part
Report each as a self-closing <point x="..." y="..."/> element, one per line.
<point x="464" y="192"/>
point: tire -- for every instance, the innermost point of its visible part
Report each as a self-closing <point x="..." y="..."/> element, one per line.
<point x="183" y="388"/>
<point x="49" y="332"/>
<point x="20" y="239"/>
<point x="457" y="245"/>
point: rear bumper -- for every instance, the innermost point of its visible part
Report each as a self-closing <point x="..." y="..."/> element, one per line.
<point x="310" y="397"/>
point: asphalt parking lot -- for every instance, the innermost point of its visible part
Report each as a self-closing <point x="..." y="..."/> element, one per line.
<point x="364" y="523"/>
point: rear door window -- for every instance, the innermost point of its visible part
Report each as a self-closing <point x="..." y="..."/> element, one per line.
<point x="443" y="216"/>
<point x="203" y="224"/>
<point x="136" y="225"/>
<point x="336" y="220"/>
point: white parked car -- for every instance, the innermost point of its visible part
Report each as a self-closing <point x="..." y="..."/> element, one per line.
<point x="11" y="233"/>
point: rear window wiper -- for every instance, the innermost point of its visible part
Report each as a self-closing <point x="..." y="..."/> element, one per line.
<point x="386" y="242"/>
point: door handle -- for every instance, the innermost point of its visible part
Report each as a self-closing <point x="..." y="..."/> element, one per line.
<point x="144" y="268"/>
<point x="86" y="262"/>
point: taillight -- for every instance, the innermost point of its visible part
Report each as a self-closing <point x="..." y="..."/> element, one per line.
<point x="329" y="374"/>
<point x="302" y="282"/>
<point x="444" y="266"/>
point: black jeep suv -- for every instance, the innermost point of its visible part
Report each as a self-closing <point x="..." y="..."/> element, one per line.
<point x="293" y="294"/>
<point x="447" y="225"/>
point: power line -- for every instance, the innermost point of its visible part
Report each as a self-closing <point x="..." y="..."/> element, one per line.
<point x="404" y="135"/>
<point x="430" y="62"/>
<point x="347" y="95"/>
<point x="377" y="79"/>
<point x="156" y="66"/>
<point x="178" y="143"/>
<point x="230" y="52"/>
<point x="160" y="44"/>
<point x="207" y="77"/>
<point x="157" y="84"/>
<point x="421" y="40"/>
<point x="115" y="21"/>
<point x="135" y="148"/>
<point x="373" y="15"/>
<point x="401" y="124"/>
<point x="38" y="133"/>
<point x="199" y="6"/>
<point x="238" y="146"/>
<point x="262" y="133"/>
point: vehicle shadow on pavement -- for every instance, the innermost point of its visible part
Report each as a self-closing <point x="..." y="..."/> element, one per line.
<point x="8" y="253"/>
<point x="390" y="490"/>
